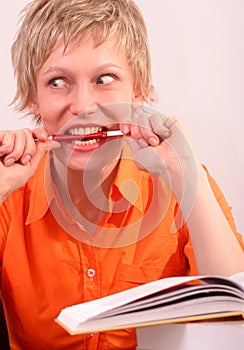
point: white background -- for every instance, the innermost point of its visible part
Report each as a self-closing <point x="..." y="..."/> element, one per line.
<point x="198" y="70"/>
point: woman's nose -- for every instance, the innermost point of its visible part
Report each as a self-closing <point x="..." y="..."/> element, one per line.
<point x="82" y="100"/>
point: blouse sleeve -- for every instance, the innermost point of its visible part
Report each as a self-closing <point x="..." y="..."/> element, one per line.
<point x="227" y="210"/>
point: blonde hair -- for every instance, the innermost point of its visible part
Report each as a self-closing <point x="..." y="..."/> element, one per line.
<point x="43" y="22"/>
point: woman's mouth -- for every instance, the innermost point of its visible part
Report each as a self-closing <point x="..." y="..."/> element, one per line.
<point x="87" y="138"/>
<point x="85" y="134"/>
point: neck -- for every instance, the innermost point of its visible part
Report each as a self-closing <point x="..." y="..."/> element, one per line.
<point x="88" y="191"/>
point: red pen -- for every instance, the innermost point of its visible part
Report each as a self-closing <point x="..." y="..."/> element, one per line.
<point x="98" y="135"/>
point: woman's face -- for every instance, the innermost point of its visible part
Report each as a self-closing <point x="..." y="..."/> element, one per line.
<point x="84" y="90"/>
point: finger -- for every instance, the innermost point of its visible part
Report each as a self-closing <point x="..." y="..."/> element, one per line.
<point x="17" y="151"/>
<point x="41" y="149"/>
<point x="125" y="128"/>
<point x="153" y="129"/>
<point x="40" y="133"/>
<point x="135" y="128"/>
<point x="7" y="142"/>
<point x="160" y="126"/>
<point x="159" y="122"/>
<point x="142" y="131"/>
<point x="130" y="127"/>
<point x="30" y="146"/>
<point x="170" y="121"/>
<point x="147" y="132"/>
<point x="24" y="145"/>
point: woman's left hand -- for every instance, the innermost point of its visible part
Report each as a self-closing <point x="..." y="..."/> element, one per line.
<point x="161" y="145"/>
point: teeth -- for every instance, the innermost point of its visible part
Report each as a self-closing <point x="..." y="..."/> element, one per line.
<point x="84" y="143"/>
<point x="85" y="131"/>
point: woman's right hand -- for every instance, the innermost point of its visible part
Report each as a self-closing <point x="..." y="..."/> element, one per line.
<point x="20" y="155"/>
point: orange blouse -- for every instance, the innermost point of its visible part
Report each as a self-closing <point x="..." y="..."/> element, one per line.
<point x="48" y="261"/>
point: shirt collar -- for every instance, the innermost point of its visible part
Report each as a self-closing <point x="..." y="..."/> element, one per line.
<point x="38" y="206"/>
<point x="130" y="183"/>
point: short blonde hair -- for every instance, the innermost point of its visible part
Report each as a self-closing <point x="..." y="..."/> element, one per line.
<point x="43" y="22"/>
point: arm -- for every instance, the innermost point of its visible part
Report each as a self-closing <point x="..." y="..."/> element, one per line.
<point x="215" y="246"/>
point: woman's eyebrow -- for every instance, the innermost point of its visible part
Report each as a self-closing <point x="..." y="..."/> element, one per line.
<point x="57" y="69"/>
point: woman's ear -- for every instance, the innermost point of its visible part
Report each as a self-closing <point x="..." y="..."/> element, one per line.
<point x="137" y="98"/>
<point x="33" y="108"/>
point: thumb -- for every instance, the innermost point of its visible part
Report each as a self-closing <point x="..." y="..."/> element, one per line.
<point x="42" y="148"/>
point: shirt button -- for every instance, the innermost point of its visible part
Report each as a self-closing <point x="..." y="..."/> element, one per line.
<point x="91" y="273"/>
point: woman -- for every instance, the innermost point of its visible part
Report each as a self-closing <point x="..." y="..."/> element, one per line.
<point x="87" y="218"/>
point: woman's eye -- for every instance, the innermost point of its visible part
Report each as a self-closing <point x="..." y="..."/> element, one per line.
<point x="105" y="79"/>
<point x="58" y="83"/>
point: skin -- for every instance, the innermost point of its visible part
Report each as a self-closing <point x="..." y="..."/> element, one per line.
<point x="81" y="80"/>
<point x="86" y="78"/>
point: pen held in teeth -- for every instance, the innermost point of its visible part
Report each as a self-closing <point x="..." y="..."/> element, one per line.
<point x="98" y="135"/>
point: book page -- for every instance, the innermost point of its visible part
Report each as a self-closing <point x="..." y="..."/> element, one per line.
<point x="121" y="309"/>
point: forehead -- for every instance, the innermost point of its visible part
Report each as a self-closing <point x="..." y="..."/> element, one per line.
<point x="88" y="50"/>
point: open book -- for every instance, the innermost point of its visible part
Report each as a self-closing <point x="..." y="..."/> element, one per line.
<point x="169" y="300"/>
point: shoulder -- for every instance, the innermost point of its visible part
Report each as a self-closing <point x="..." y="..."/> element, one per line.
<point x="21" y="195"/>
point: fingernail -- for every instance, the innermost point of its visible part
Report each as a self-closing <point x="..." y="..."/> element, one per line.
<point x="125" y="129"/>
<point x="26" y="159"/>
<point x="153" y="141"/>
<point x="44" y="135"/>
<point x="167" y="133"/>
<point x="9" y="161"/>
